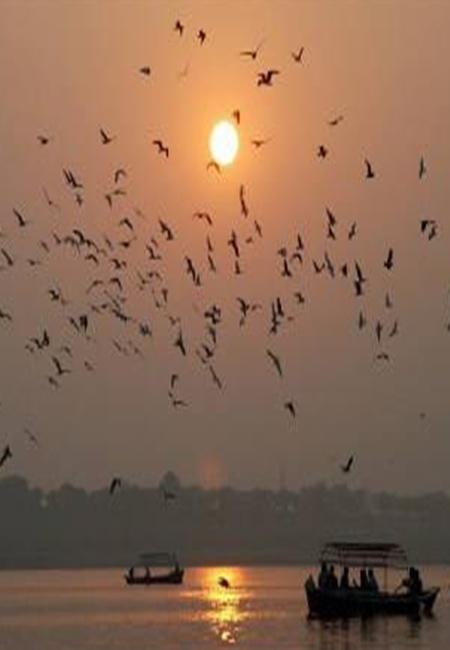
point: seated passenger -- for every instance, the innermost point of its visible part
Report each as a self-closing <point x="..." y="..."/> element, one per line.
<point x="332" y="582"/>
<point x="363" y="581"/>
<point x="345" y="579"/>
<point x="323" y="576"/>
<point x="372" y="583"/>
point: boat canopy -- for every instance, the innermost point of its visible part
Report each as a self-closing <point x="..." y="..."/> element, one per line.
<point x="158" y="559"/>
<point x="355" y="554"/>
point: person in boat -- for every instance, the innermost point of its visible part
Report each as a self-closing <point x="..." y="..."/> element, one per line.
<point x="332" y="581"/>
<point x="345" y="579"/>
<point x="363" y="581"/>
<point x="131" y="573"/>
<point x="413" y="582"/>
<point x="372" y="583"/>
<point x="322" y="580"/>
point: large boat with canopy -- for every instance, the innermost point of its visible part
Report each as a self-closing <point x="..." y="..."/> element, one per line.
<point x="408" y="598"/>
<point x="155" y="568"/>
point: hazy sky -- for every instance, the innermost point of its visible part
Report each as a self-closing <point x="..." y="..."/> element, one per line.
<point x="69" y="68"/>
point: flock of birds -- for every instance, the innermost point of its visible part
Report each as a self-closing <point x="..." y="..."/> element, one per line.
<point x="114" y="268"/>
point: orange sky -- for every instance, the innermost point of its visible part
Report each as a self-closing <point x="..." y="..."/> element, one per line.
<point x="69" y="68"/>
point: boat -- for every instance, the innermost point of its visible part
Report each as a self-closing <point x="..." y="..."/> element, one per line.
<point x="155" y="569"/>
<point x="345" y="603"/>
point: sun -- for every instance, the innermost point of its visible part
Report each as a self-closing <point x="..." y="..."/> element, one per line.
<point x="224" y="143"/>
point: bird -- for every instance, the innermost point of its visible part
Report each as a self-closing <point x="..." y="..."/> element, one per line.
<point x="118" y="173"/>
<point x="145" y="70"/>
<point x="59" y="369"/>
<point x="6" y="454"/>
<point x="20" y="218"/>
<point x="389" y="261"/>
<point x="43" y="140"/>
<point x="422" y="168"/>
<point x="265" y="78"/>
<point x="163" y="149"/>
<point x="201" y="35"/>
<point x="336" y="120"/>
<point x="289" y="406"/>
<point x="115" y="484"/>
<point x="106" y="139"/>
<point x="223" y="582"/>
<point x="212" y="164"/>
<point x="352" y="231"/>
<point x="236" y="115"/>
<point x="276" y="362"/>
<point x="244" y="207"/>
<point x="203" y="216"/>
<point x="322" y="151"/>
<point x="252" y="54"/>
<point x="348" y="465"/>
<point x="297" y="56"/>
<point x="179" y="343"/>
<point x="369" y="169"/>
<point x="258" y="142"/>
<point x="166" y="230"/>
<point x="179" y="27"/>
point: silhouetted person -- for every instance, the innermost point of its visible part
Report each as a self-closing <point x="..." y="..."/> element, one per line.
<point x="363" y="581"/>
<point x="332" y="582"/>
<point x="413" y="582"/>
<point x="372" y="581"/>
<point x="322" y="580"/>
<point x="345" y="579"/>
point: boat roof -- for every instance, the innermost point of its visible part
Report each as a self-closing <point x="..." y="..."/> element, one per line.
<point x="358" y="554"/>
<point x="158" y="559"/>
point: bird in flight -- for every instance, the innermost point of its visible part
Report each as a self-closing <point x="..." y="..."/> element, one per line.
<point x="257" y="143"/>
<point x="297" y="56"/>
<point x="322" y="151"/>
<point x="43" y="140"/>
<point x="290" y="407"/>
<point x="115" y="484"/>
<point x="276" y="362"/>
<point x="20" y="218"/>
<point x="214" y="165"/>
<point x="251" y="54"/>
<point x="106" y="139"/>
<point x="348" y="465"/>
<point x="369" y="169"/>
<point x="161" y="147"/>
<point x="145" y="70"/>
<point x="223" y="582"/>
<point x="179" y="27"/>
<point x="336" y="120"/>
<point x="201" y="35"/>
<point x="7" y="453"/>
<point x="422" y="168"/>
<point x="265" y="78"/>
<point x="389" y="261"/>
<point x="236" y="115"/>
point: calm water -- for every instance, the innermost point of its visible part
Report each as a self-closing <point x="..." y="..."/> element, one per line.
<point x="93" y="609"/>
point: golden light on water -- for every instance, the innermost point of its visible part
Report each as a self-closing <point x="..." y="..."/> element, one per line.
<point x="226" y="606"/>
<point x="224" y="143"/>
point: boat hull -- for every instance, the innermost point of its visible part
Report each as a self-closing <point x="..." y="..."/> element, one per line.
<point x="350" y="603"/>
<point x="173" y="578"/>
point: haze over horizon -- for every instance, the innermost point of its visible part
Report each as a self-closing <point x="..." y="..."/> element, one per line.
<point x="69" y="69"/>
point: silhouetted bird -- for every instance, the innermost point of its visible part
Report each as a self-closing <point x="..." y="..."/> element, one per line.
<point x="201" y="35"/>
<point x="106" y="139"/>
<point x="348" y="465"/>
<point x="115" y="484"/>
<point x="237" y="116"/>
<point x="276" y="361"/>
<point x="322" y="151"/>
<point x="212" y="164"/>
<point x="179" y="27"/>
<point x="265" y="78"/>
<point x="335" y="121"/>
<point x="389" y="262"/>
<point x="297" y="56"/>
<point x="252" y="54"/>
<point x="161" y="147"/>
<point x="257" y="143"/>
<point x="223" y="582"/>
<point x="289" y="406"/>
<point x="7" y="453"/>
<point x="145" y="70"/>
<point x="369" y="169"/>
<point x="422" y="167"/>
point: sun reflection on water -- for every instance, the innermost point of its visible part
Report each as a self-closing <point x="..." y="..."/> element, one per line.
<point x="225" y="606"/>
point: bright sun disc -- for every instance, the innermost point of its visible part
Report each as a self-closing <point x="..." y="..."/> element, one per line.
<point x="224" y="143"/>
